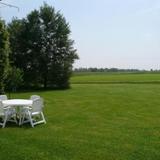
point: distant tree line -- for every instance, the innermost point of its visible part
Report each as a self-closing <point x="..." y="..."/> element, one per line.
<point x="94" y="69"/>
<point x="36" y="51"/>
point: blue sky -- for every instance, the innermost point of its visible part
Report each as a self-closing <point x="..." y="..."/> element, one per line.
<point x="107" y="33"/>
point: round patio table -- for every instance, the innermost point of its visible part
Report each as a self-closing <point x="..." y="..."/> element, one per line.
<point x="18" y="103"/>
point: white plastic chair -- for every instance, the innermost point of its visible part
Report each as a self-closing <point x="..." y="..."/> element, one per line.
<point x="7" y="114"/>
<point x="33" y="97"/>
<point x="34" y="111"/>
<point x="3" y="97"/>
<point x="23" y="109"/>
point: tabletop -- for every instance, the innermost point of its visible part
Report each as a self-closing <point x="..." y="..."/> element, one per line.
<point x="17" y="102"/>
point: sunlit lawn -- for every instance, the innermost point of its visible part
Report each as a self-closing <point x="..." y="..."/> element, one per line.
<point x="90" y="122"/>
<point x="104" y="78"/>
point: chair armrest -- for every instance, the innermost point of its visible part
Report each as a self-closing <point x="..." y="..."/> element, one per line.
<point x="6" y="107"/>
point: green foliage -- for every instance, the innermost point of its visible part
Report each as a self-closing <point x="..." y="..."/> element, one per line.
<point x="83" y="70"/>
<point x="42" y="48"/>
<point x="4" y="53"/>
<point x="14" y="79"/>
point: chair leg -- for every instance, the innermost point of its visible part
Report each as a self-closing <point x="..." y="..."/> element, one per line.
<point x="20" y="119"/>
<point x="30" y="119"/>
<point x="15" y="119"/>
<point x="5" y="120"/>
<point x="43" y="117"/>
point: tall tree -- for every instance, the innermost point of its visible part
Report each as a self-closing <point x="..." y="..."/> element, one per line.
<point x="4" y="54"/>
<point x="44" y="46"/>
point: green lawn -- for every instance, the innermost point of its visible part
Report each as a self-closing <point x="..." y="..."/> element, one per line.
<point x="90" y="78"/>
<point x="90" y="122"/>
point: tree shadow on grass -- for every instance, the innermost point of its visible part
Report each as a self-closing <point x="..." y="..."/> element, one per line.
<point x="36" y="90"/>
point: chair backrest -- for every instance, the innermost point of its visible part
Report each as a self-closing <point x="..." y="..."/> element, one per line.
<point x="37" y="105"/>
<point x="1" y="107"/>
<point x="3" y="97"/>
<point x="33" y="97"/>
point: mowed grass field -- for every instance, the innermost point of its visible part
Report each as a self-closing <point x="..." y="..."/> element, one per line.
<point x="101" y="77"/>
<point x="91" y="121"/>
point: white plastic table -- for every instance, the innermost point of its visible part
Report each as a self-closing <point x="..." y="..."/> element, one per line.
<point x="18" y="103"/>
